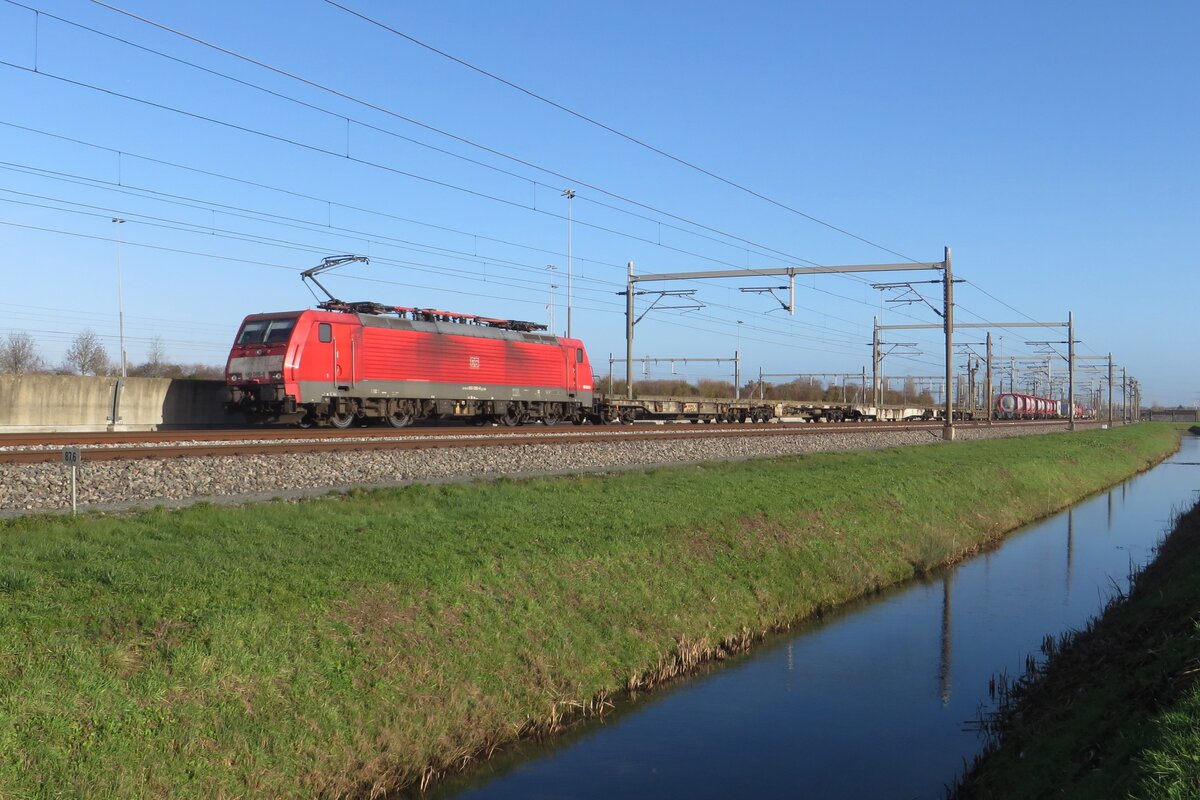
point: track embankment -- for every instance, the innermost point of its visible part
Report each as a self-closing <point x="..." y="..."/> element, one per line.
<point x="361" y="643"/>
<point x="258" y="473"/>
<point x="1115" y="710"/>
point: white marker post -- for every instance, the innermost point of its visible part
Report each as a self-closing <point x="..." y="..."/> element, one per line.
<point x="72" y="457"/>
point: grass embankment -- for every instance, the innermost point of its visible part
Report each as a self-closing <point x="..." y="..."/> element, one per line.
<point x="349" y="643"/>
<point x="1115" y="713"/>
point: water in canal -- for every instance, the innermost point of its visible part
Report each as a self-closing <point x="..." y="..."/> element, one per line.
<point x="871" y="702"/>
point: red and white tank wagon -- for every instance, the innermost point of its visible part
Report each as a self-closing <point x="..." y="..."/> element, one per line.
<point x="1010" y="405"/>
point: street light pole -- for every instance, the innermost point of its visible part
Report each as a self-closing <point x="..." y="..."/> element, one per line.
<point x="553" y="286"/>
<point x="570" y="195"/>
<point x="120" y="296"/>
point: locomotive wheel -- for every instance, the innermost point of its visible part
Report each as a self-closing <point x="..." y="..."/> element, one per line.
<point x="399" y="420"/>
<point x="512" y="417"/>
<point x="307" y="421"/>
<point x="341" y="420"/>
<point x="628" y="416"/>
<point x="553" y="415"/>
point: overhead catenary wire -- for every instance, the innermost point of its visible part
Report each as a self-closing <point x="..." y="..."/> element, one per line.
<point x="367" y="104"/>
<point x="253" y="262"/>
<point x="614" y="131"/>
<point x="322" y="200"/>
<point x="364" y="162"/>
<point x="389" y="112"/>
<point x="515" y="159"/>
<point x="102" y="212"/>
<point x="260" y="185"/>
<point x="749" y="271"/>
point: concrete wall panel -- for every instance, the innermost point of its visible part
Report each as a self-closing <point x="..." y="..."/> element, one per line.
<point x="42" y="403"/>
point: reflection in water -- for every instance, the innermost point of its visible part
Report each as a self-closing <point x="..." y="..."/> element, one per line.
<point x="791" y="670"/>
<point x="1110" y="494"/>
<point x="947" y="644"/>
<point x="1070" y="548"/>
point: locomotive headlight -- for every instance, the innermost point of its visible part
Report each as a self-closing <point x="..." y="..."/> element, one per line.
<point x="234" y="377"/>
<point x="276" y="376"/>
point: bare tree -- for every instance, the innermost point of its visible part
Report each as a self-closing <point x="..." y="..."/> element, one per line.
<point x="156" y="356"/>
<point x="156" y="365"/>
<point x="19" y="354"/>
<point x="87" y="356"/>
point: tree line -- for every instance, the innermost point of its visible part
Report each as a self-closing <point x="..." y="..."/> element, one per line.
<point x="19" y="355"/>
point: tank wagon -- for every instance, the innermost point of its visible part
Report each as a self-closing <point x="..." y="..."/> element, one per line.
<point x="1080" y="411"/>
<point x="1010" y="405"/>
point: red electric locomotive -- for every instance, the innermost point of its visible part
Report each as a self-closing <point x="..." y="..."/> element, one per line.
<point x="349" y="362"/>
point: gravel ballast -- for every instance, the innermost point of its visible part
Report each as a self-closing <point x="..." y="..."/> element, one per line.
<point x="115" y="485"/>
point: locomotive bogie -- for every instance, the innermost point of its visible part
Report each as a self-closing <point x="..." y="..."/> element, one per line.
<point x="400" y="413"/>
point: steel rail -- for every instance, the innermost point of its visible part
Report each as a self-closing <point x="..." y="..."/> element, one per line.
<point x="358" y="432"/>
<point x="391" y="440"/>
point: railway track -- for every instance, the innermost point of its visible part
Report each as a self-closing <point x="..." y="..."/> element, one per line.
<point x="101" y="446"/>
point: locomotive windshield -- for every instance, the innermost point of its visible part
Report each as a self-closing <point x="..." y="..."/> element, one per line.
<point x="266" y="331"/>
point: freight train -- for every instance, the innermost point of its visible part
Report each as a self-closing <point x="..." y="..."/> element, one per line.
<point x="347" y="363"/>
<point x="344" y="363"/>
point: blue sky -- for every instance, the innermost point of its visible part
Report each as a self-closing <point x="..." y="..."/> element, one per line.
<point x="1051" y="146"/>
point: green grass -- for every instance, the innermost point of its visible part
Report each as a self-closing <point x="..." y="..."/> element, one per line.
<point x="1116" y="712"/>
<point x="364" y="641"/>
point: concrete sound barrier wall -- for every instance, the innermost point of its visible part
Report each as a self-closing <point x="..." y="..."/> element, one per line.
<point x="47" y="403"/>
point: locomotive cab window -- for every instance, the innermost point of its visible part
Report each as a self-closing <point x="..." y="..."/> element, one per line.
<point x="266" y="331"/>
<point x="578" y="355"/>
<point x="279" y="330"/>
<point x="252" y="332"/>
<point x="325" y="332"/>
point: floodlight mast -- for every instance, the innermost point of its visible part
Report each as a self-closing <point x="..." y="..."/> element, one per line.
<point x="327" y="264"/>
